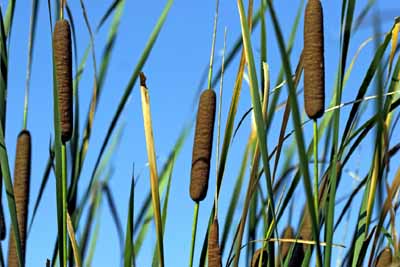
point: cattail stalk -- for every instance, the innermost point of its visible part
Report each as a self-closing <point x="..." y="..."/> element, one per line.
<point x="314" y="78"/>
<point x="22" y="173"/>
<point x="202" y="145"/>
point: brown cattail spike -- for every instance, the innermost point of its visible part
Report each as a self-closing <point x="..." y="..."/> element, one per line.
<point x="63" y="67"/>
<point x="384" y="258"/>
<point x="255" y="261"/>
<point x="285" y="246"/>
<point x="297" y="255"/>
<point x="22" y="173"/>
<point x="314" y="66"/>
<point x="202" y="146"/>
<point x="214" y="251"/>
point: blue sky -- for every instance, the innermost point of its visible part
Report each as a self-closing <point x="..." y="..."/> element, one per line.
<point x="174" y="70"/>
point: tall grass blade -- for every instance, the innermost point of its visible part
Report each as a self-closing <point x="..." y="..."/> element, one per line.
<point x="155" y="195"/>
<point x="114" y="212"/>
<point x="72" y="237"/>
<point x="146" y="212"/>
<point x="132" y="80"/>
<point x="156" y="261"/>
<point x="259" y="119"/>
<point x="129" y="249"/>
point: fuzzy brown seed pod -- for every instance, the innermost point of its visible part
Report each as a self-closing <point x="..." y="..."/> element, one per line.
<point x="63" y="67"/>
<point x="297" y="255"/>
<point x="255" y="261"/>
<point x="384" y="258"/>
<point x="214" y="251"/>
<point x="202" y="146"/>
<point x="306" y="226"/>
<point x="314" y="66"/>
<point x="22" y="174"/>
<point x="285" y="246"/>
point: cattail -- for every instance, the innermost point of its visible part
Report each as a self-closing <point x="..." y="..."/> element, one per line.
<point x="214" y="251"/>
<point x="22" y="174"/>
<point x="306" y="226"/>
<point x="285" y="246"/>
<point x="255" y="261"/>
<point x="314" y="76"/>
<point x="297" y="255"/>
<point x="202" y="146"/>
<point x="63" y="67"/>
<point x="384" y="258"/>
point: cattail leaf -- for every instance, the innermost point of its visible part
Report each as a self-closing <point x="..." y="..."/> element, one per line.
<point x="114" y="212"/>
<point x="8" y="20"/>
<point x="155" y="195"/>
<point x="363" y="221"/>
<point x="146" y="212"/>
<point x="233" y="203"/>
<point x="75" y="248"/>
<point x="156" y="261"/>
<point x="392" y="191"/>
<point x="43" y="184"/>
<point x="258" y="118"/>
<point x="395" y="39"/>
<point x="129" y="253"/>
<point x="132" y="81"/>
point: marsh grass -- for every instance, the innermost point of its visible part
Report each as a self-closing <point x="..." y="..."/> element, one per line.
<point x="273" y="168"/>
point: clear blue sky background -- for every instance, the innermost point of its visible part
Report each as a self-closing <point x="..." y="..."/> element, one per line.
<point x="174" y="69"/>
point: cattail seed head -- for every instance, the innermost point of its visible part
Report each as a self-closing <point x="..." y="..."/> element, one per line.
<point x="285" y="246"/>
<point x="202" y="146"/>
<point x="63" y="66"/>
<point x="314" y="66"/>
<point x="384" y="258"/>
<point x="255" y="261"/>
<point x="297" y="255"/>
<point x="22" y="173"/>
<point x="214" y="251"/>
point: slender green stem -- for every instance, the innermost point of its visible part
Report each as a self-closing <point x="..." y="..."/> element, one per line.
<point x="194" y="230"/>
<point x="316" y="170"/>
<point x="64" y="201"/>
<point x="62" y="4"/>
<point x="24" y="125"/>
<point x="210" y="70"/>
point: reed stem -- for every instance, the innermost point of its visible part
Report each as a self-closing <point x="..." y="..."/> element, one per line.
<point x="315" y="124"/>
<point x="194" y="230"/>
<point x="64" y="202"/>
